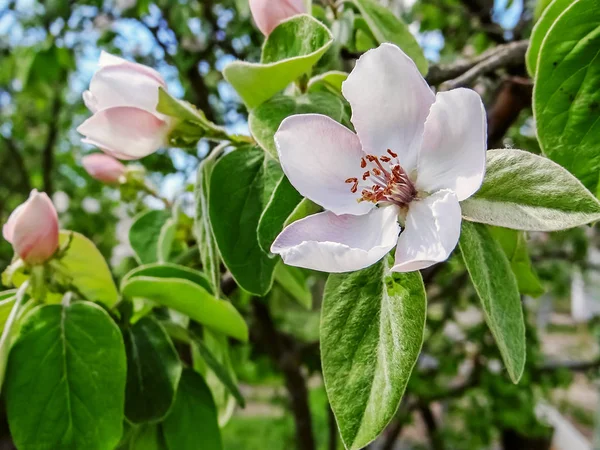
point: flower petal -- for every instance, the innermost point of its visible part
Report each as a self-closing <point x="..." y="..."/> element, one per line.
<point x="125" y="84"/>
<point x="318" y="155"/>
<point x="345" y="243"/>
<point x="454" y="142"/>
<point x="431" y="232"/>
<point x="107" y="59"/>
<point x="125" y="132"/>
<point x="390" y="101"/>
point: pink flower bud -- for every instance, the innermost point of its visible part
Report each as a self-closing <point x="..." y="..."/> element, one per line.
<point x="103" y="167"/>
<point x="32" y="229"/>
<point x="123" y="96"/>
<point x="270" y="13"/>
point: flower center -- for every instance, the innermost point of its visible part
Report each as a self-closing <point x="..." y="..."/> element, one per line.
<point x="384" y="181"/>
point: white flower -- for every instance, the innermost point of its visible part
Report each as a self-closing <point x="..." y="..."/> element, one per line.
<point x="414" y="156"/>
<point x="123" y="96"/>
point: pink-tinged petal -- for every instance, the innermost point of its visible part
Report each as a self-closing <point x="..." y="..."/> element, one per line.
<point x="269" y="13"/>
<point x="123" y="85"/>
<point x="318" y="155"/>
<point x="345" y="243"/>
<point x="431" y="232"/>
<point x="33" y="229"/>
<point x="8" y="229"/>
<point x="107" y="60"/>
<point x="454" y="142"/>
<point x="103" y="167"/>
<point x="390" y="101"/>
<point x="126" y="131"/>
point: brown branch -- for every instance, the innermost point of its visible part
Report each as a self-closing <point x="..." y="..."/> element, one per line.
<point x="573" y="366"/>
<point x="506" y="55"/>
<point x="285" y="356"/>
<point x="52" y="136"/>
<point x="514" y="96"/>
<point x="432" y="427"/>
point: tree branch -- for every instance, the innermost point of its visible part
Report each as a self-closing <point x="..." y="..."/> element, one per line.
<point x="48" y="152"/>
<point x="506" y="55"/>
<point x="284" y="355"/>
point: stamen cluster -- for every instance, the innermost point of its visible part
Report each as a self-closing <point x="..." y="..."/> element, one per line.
<point x="383" y="185"/>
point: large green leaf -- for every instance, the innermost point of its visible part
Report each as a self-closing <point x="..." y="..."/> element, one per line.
<point x="497" y="289"/>
<point x="514" y="244"/>
<point x="153" y="371"/>
<point x="145" y="232"/>
<point x="65" y="380"/>
<point x="386" y="27"/>
<point x="192" y="423"/>
<point x="540" y="31"/>
<point x="282" y="203"/>
<point x="289" y="52"/>
<point x="190" y="299"/>
<point x="246" y="178"/>
<point x="83" y="267"/>
<point x="209" y="253"/>
<point x="169" y="270"/>
<point x="566" y="92"/>
<point x="329" y="81"/>
<point x="372" y="327"/>
<point x="524" y="191"/>
<point x="265" y="119"/>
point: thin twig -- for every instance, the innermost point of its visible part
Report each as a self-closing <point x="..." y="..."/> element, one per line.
<point x="502" y="56"/>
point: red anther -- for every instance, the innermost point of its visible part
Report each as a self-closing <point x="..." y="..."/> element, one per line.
<point x="354" y="187"/>
<point x="363" y="163"/>
<point x="385" y="158"/>
<point x="376" y="171"/>
<point x="366" y="175"/>
<point x="351" y="180"/>
<point x="392" y="154"/>
<point x="371" y="158"/>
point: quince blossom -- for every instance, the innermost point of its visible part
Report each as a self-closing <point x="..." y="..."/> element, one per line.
<point x="123" y="97"/>
<point x="413" y="157"/>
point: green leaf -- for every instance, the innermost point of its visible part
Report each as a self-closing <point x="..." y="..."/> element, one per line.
<point x="329" y="81"/>
<point x="246" y="178"/>
<point x="165" y="240"/>
<point x="192" y="424"/>
<point x="293" y="280"/>
<point x="169" y="270"/>
<point x="566" y="92"/>
<point x="290" y="51"/>
<point x="7" y="301"/>
<point x="153" y="371"/>
<point x="144" y="234"/>
<point x="282" y="203"/>
<point x="497" y="289"/>
<point x="386" y="27"/>
<point x="221" y="372"/>
<point x="514" y="244"/>
<point x="10" y="326"/>
<point x="146" y="437"/>
<point x="83" y="267"/>
<point x="524" y="191"/>
<point x="264" y="121"/>
<point x="304" y="209"/>
<point x="218" y="346"/>
<point x="190" y="299"/>
<point x="180" y="109"/>
<point x="209" y="253"/>
<point x="372" y="326"/>
<point x="540" y="30"/>
<point x="65" y="380"/>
